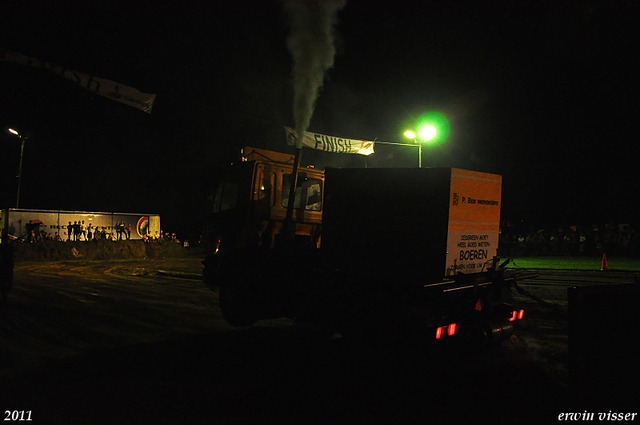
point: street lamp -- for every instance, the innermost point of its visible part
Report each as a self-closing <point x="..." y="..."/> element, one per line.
<point x="434" y="129"/>
<point x="23" y="138"/>
<point x="432" y="126"/>
<point x="425" y="133"/>
<point x="410" y="134"/>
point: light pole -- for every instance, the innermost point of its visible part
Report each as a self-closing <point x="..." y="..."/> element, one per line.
<point x="411" y="135"/>
<point x="23" y="138"/>
<point x="409" y="145"/>
<point x="427" y="132"/>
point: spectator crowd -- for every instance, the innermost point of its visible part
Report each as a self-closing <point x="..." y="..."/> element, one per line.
<point x="615" y="240"/>
<point x="78" y="231"/>
<point x="611" y="239"/>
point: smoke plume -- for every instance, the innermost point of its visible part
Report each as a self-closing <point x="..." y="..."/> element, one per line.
<point x="311" y="43"/>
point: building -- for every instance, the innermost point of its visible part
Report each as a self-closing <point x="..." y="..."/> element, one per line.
<point x="54" y="224"/>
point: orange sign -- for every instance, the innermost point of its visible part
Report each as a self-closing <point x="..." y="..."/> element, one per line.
<point x="474" y="221"/>
<point x="475" y="199"/>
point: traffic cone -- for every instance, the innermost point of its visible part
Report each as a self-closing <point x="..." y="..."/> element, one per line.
<point x="605" y="266"/>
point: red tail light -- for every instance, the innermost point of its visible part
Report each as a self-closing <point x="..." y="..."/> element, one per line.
<point x="514" y="314"/>
<point x="521" y="314"/>
<point x="452" y="329"/>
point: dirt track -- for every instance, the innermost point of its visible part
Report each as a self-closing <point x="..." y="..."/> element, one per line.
<point x="143" y="341"/>
<point x="96" y="250"/>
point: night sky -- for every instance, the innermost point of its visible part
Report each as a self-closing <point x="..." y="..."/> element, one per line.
<point x="543" y="93"/>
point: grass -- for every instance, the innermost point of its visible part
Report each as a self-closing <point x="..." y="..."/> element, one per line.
<point x="575" y="263"/>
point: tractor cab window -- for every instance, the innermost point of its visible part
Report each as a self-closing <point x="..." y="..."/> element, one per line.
<point x="266" y="181"/>
<point x="226" y="196"/>
<point x="308" y="192"/>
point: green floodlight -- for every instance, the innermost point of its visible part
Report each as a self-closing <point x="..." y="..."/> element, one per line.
<point x="434" y="127"/>
<point x="427" y="132"/>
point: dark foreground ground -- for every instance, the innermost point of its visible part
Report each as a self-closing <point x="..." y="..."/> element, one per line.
<point x="143" y="341"/>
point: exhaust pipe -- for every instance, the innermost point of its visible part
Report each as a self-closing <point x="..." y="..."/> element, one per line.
<point x="497" y="330"/>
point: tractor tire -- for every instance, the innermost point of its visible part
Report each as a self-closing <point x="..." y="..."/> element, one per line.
<point x="236" y="299"/>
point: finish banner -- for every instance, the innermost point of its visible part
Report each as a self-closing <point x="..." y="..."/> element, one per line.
<point x="330" y="143"/>
<point x="112" y="90"/>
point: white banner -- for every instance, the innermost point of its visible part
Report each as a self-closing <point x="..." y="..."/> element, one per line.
<point x="107" y="88"/>
<point x="330" y="143"/>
